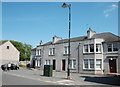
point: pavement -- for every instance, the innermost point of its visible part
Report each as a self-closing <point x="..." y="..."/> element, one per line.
<point x="60" y="78"/>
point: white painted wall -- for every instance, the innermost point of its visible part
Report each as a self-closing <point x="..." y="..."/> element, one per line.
<point x="8" y="55"/>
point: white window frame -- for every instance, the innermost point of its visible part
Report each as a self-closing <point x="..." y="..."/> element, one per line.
<point x="88" y="48"/>
<point x="93" y="48"/>
<point x="100" y="65"/>
<point x="72" y="66"/>
<point x="40" y="52"/>
<point x="37" y="52"/>
<point x="112" y="48"/>
<point x="89" y="64"/>
<point x="51" y="51"/>
<point x="67" y="49"/>
<point x="47" y="62"/>
<point x="100" y="48"/>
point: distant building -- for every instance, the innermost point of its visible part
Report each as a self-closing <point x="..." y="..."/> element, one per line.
<point x="8" y="53"/>
<point x="119" y="61"/>
<point x="96" y="53"/>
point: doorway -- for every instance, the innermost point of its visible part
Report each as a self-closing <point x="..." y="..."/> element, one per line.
<point x="112" y="65"/>
<point x="54" y="64"/>
<point x="33" y="63"/>
<point x="63" y="65"/>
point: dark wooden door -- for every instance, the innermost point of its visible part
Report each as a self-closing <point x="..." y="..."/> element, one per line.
<point x="63" y="65"/>
<point x="33" y="63"/>
<point x="54" y="64"/>
<point x="112" y="66"/>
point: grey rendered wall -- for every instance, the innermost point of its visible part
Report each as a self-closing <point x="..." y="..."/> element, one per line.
<point x="106" y="57"/>
<point x="59" y="51"/>
<point x="119" y="59"/>
<point x="84" y="56"/>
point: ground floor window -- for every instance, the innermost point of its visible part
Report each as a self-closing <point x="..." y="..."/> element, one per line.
<point x="99" y="64"/>
<point x="72" y="64"/>
<point x="88" y="64"/>
<point x="47" y="62"/>
<point x="37" y="63"/>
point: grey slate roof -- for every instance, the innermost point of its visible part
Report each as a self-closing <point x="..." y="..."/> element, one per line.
<point x="108" y="37"/>
<point x="66" y="40"/>
<point x="33" y="49"/>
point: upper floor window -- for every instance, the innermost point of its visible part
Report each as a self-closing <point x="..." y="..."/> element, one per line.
<point x="91" y="47"/>
<point x="109" y="46"/>
<point x="8" y="47"/>
<point x="38" y="52"/>
<point x="98" y="47"/>
<point x="66" y="49"/>
<point x="52" y="51"/>
<point x="85" y="48"/>
<point x="112" y="47"/>
<point x="115" y="47"/>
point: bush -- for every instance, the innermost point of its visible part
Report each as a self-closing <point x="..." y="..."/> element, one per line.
<point x="23" y="66"/>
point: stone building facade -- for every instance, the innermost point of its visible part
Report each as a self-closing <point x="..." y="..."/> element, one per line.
<point x="96" y="53"/>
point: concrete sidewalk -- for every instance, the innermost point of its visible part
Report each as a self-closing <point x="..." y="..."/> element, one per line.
<point x="83" y="79"/>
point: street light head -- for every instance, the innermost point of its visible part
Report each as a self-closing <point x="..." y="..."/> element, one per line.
<point x="64" y="5"/>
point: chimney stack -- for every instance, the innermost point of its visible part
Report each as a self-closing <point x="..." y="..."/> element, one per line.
<point x="90" y="33"/>
<point x="55" y="39"/>
<point x="41" y="43"/>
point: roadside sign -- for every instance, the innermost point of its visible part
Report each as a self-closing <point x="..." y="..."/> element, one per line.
<point x="35" y="57"/>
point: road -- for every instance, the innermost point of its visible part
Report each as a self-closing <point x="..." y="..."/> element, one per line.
<point x="12" y="79"/>
<point x="35" y="77"/>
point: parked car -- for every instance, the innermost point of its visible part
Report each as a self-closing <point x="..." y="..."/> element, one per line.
<point x="4" y="67"/>
<point x="13" y="67"/>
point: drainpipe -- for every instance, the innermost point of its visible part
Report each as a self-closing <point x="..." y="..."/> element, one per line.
<point x="78" y="58"/>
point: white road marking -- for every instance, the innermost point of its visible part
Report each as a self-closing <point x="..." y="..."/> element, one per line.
<point x="61" y="82"/>
<point x="66" y="82"/>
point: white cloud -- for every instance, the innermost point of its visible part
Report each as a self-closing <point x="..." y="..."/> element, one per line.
<point x="114" y="5"/>
<point x="106" y="15"/>
<point x="109" y="10"/>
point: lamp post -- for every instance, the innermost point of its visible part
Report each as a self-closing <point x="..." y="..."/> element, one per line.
<point x="68" y="68"/>
<point x="25" y="55"/>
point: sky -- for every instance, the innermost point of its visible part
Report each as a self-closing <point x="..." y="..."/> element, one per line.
<point x="30" y="22"/>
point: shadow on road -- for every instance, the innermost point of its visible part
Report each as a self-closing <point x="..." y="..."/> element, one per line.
<point x="109" y="80"/>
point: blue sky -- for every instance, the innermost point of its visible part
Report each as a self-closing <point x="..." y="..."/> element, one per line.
<point x="31" y="22"/>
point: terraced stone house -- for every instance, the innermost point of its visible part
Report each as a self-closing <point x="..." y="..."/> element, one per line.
<point x="95" y="53"/>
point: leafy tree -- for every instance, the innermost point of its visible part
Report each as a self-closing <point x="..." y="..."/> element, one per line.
<point x="23" y="48"/>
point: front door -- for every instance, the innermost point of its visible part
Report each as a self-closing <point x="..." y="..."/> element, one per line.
<point x="63" y="65"/>
<point x="112" y="65"/>
<point x="33" y="63"/>
<point x="54" y="64"/>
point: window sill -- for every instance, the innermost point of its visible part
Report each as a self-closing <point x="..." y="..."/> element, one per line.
<point x="112" y="52"/>
<point x="39" y="55"/>
<point x="66" y="54"/>
<point x="72" y="68"/>
<point x="99" y="52"/>
<point x="98" y="69"/>
<point x="88" y="69"/>
<point x="89" y="53"/>
<point x="51" y="55"/>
